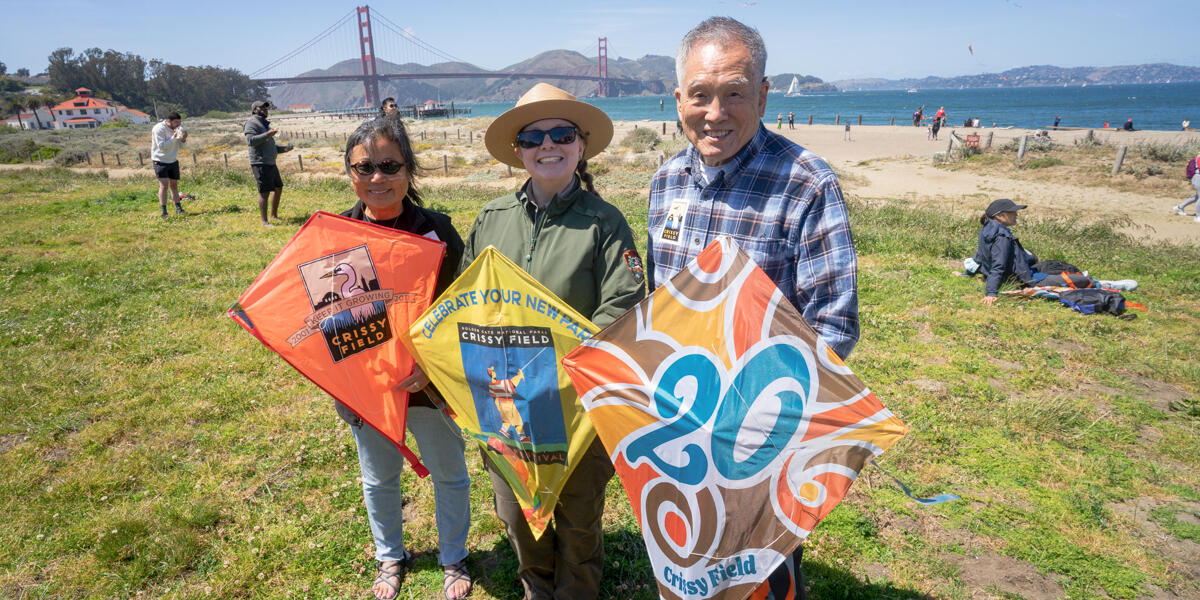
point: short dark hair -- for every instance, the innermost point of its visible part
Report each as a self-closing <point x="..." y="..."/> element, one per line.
<point x="173" y="116"/>
<point x="391" y="129"/>
<point x="386" y="100"/>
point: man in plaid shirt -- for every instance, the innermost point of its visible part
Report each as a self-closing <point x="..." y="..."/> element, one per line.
<point x="781" y="203"/>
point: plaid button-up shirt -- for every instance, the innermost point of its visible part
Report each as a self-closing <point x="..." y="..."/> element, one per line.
<point x="782" y="204"/>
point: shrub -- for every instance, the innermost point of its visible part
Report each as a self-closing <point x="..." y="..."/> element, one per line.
<point x="1168" y="153"/>
<point x="1042" y="163"/>
<point x="6" y="128"/>
<point x="69" y="158"/>
<point x="641" y="140"/>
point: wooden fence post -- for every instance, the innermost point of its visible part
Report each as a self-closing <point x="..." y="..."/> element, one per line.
<point x="194" y="163"/>
<point x="300" y="159"/>
<point x="87" y="155"/>
<point x="445" y="165"/>
<point x="225" y="155"/>
<point x="102" y="163"/>
<point x="1120" y="159"/>
<point x="118" y="156"/>
<point x="860" y="120"/>
<point x="664" y="128"/>
<point x="1021" y="149"/>
<point x="893" y="123"/>
<point x="510" y="170"/>
<point x="837" y="119"/>
<point x="141" y="163"/>
<point x="989" y="142"/>
<point x="950" y="146"/>
<point x="810" y="119"/>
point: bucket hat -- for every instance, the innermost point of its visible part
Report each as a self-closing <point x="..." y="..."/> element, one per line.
<point x="544" y="101"/>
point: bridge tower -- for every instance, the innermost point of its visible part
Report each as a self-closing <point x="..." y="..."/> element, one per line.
<point x="366" y="44"/>
<point x="602" y="58"/>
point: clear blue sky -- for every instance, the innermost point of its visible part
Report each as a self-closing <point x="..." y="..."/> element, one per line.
<point x="832" y="40"/>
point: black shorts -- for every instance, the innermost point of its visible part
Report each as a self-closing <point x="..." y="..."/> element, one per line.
<point x="166" y="170"/>
<point x="267" y="177"/>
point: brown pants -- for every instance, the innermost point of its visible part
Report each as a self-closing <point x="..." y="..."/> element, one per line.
<point x="566" y="563"/>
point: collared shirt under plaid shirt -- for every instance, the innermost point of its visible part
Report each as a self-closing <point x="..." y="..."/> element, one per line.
<point x="782" y="204"/>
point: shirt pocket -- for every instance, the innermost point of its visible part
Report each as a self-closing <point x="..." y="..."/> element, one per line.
<point x="773" y="257"/>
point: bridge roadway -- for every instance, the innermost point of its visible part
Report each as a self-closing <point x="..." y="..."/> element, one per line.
<point x="325" y="78"/>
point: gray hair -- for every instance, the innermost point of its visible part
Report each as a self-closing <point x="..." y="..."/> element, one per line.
<point x="723" y="31"/>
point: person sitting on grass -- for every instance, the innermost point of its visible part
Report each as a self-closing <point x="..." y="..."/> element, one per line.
<point x="999" y="257"/>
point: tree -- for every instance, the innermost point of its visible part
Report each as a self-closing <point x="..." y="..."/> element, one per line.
<point x="3" y="68"/>
<point x="22" y="72"/>
<point x="34" y="104"/>
<point x="50" y="102"/>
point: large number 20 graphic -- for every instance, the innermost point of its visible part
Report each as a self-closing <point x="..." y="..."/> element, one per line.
<point x="735" y="404"/>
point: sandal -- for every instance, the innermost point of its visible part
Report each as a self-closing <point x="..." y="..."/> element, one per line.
<point x="385" y="573"/>
<point x="455" y="574"/>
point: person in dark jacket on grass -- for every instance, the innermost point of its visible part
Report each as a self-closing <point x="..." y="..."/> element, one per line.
<point x="999" y="256"/>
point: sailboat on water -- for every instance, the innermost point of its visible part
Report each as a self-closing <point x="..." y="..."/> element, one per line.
<point x="794" y="89"/>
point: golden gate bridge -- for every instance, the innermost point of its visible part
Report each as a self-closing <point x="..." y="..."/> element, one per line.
<point x="402" y="47"/>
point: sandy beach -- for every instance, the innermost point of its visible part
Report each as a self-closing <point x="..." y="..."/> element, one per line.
<point x="880" y="164"/>
<point x="895" y="164"/>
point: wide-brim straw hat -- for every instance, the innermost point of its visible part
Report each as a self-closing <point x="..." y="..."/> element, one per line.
<point x="544" y="101"/>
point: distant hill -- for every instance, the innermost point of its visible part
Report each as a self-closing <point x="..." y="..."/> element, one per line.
<point x="808" y="83"/>
<point x="657" y="75"/>
<point x="1037" y="75"/>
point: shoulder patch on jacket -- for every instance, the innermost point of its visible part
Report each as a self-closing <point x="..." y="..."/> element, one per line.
<point x="634" y="263"/>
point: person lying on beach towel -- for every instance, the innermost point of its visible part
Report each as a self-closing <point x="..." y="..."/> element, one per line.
<point x="1000" y="257"/>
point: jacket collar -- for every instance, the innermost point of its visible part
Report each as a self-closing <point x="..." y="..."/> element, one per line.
<point x="411" y="218"/>
<point x="739" y="161"/>
<point x="558" y="204"/>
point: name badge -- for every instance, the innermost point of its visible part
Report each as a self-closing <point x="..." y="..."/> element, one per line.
<point x="674" y="222"/>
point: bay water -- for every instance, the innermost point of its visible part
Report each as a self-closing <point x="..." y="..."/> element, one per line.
<point x="1151" y="106"/>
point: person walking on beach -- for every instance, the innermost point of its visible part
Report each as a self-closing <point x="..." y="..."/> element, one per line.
<point x="165" y="140"/>
<point x="940" y="117"/>
<point x="780" y="202"/>
<point x="918" y="115"/>
<point x="260" y="142"/>
<point x="1057" y="120"/>
<point x="1193" y="175"/>
<point x="933" y="129"/>
<point x="846" y="136"/>
<point x="791" y="120"/>
<point x="779" y="122"/>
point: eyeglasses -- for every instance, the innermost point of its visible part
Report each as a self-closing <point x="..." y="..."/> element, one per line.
<point x="367" y="168"/>
<point x="532" y="138"/>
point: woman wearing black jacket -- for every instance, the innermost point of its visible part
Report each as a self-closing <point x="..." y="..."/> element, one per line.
<point x="999" y="255"/>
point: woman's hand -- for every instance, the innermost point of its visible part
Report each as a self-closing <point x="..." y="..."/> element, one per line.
<point x="415" y="382"/>
<point x="989" y="300"/>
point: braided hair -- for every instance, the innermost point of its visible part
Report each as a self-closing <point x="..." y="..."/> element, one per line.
<point x="585" y="176"/>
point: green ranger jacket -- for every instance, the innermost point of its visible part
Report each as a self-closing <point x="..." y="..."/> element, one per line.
<point x="580" y="247"/>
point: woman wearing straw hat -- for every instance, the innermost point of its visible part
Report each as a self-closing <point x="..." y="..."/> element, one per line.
<point x="577" y="245"/>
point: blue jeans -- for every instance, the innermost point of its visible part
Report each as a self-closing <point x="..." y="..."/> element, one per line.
<point x="441" y="446"/>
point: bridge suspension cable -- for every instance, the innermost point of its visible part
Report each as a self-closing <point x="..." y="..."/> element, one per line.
<point x="319" y="37"/>
<point x="396" y="29"/>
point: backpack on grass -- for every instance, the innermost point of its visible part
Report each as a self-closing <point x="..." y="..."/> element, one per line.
<point x="1054" y="267"/>
<point x="1093" y="301"/>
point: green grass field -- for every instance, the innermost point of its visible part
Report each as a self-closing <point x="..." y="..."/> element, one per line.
<point x="150" y="448"/>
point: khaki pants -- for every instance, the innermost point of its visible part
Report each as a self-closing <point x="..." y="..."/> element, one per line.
<point x="567" y="562"/>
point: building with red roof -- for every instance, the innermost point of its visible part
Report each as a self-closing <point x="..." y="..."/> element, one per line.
<point x="87" y="111"/>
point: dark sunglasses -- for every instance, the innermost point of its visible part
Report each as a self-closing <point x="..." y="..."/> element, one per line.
<point x="532" y="138"/>
<point x="367" y="168"/>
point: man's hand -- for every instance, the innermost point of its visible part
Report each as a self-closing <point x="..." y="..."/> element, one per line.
<point x="183" y="137"/>
<point x="415" y="382"/>
<point x="272" y="132"/>
<point x="989" y="300"/>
